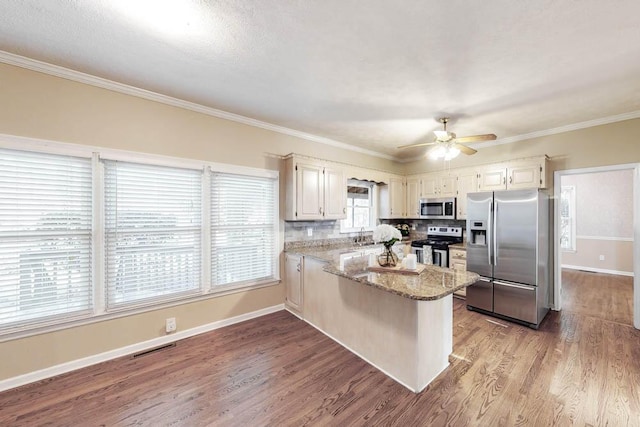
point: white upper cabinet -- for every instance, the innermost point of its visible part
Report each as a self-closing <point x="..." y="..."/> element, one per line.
<point x="315" y="190"/>
<point x="392" y="204"/>
<point x="335" y="193"/>
<point x="467" y="183"/>
<point x="516" y="174"/>
<point x="412" y="187"/>
<point x="438" y="185"/>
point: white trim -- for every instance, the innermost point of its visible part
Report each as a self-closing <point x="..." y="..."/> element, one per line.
<point x="77" y="76"/>
<point x="617" y="239"/>
<point x="73" y="365"/>
<point x="557" y="266"/>
<point x="561" y="129"/>
<point x="598" y="270"/>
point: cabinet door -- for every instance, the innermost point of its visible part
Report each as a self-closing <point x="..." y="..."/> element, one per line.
<point x="294" y="273"/>
<point x="467" y="183"/>
<point x="397" y="197"/>
<point x="524" y="176"/>
<point x="430" y="186"/>
<point x="335" y="194"/>
<point x="493" y="179"/>
<point x="413" y="198"/>
<point x="309" y="191"/>
<point x="448" y="185"/>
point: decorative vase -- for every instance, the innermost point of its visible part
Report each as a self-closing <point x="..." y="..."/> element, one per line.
<point x="387" y="258"/>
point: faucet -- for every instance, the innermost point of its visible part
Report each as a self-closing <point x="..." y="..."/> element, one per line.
<point x="360" y="239"/>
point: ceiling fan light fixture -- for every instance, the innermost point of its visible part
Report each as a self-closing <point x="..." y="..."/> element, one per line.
<point x="446" y="152"/>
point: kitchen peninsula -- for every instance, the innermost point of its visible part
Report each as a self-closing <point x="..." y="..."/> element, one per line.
<point x="400" y="323"/>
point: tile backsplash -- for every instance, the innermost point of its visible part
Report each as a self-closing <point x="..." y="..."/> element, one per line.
<point x="329" y="231"/>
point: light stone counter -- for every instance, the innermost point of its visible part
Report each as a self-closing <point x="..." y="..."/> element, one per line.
<point x="432" y="284"/>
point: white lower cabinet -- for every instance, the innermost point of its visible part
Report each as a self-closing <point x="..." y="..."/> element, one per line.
<point x="458" y="261"/>
<point x="294" y="281"/>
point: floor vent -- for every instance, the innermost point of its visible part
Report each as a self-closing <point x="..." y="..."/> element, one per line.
<point x="153" y="350"/>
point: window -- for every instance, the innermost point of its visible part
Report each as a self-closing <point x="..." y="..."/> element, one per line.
<point x="82" y="236"/>
<point x="45" y="238"/>
<point x="243" y="228"/>
<point x="360" y="203"/>
<point x="153" y="226"/>
<point x="568" y="218"/>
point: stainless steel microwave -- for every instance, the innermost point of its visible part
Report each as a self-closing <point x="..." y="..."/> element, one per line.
<point x="438" y="208"/>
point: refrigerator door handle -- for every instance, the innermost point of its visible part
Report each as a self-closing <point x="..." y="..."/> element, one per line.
<point x="512" y="285"/>
<point x="495" y="233"/>
<point x="489" y="237"/>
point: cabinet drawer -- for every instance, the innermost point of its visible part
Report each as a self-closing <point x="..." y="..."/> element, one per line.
<point x="457" y="254"/>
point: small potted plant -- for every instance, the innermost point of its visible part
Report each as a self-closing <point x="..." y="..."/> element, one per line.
<point x="387" y="235"/>
<point x="404" y="229"/>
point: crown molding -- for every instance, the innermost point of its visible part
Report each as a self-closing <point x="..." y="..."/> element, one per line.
<point x="561" y="129"/>
<point x="77" y="76"/>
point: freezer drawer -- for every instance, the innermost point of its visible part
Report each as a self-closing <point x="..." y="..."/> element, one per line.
<point x="480" y="294"/>
<point x="516" y="301"/>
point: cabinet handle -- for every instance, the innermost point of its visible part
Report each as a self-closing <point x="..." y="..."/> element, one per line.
<point x="504" y="180"/>
<point x="298" y="267"/>
<point x="344" y="210"/>
<point x="510" y="180"/>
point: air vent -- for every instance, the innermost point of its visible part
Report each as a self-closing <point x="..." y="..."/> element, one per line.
<point x="153" y="350"/>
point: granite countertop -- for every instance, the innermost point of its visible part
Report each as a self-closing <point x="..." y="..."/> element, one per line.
<point x="329" y="253"/>
<point x="432" y="284"/>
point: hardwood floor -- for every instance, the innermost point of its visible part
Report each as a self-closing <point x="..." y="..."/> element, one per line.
<point x="605" y="296"/>
<point x="577" y="369"/>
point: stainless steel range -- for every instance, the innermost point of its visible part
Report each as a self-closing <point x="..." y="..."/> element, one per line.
<point x="437" y="245"/>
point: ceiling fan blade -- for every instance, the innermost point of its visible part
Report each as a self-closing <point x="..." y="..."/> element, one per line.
<point x="463" y="148"/>
<point x="421" y="144"/>
<point x="475" y="138"/>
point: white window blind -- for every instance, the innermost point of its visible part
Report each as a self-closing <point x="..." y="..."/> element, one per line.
<point x="243" y="228"/>
<point x="153" y="225"/>
<point x="45" y="238"/>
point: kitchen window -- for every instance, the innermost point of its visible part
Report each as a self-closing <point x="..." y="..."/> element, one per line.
<point x="360" y="207"/>
<point x="568" y="218"/>
<point x="85" y="234"/>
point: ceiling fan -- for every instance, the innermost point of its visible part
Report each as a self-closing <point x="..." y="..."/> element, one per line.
<point x="447" y="145"/>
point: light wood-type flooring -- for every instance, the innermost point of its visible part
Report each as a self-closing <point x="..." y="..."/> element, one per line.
<point x="582" y="368"/>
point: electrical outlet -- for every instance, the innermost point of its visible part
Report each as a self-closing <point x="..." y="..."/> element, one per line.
<point x="601" y="257"/>
<point x="309" y="231"/>
<point x="170" y="324"/>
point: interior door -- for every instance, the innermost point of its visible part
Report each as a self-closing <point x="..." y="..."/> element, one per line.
<point x="516" y="225"/>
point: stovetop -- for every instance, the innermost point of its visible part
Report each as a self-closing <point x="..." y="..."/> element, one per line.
<point x="440" y="237"/>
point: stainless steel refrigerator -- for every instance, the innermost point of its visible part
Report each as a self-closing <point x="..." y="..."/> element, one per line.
<point x="508" y="246"/>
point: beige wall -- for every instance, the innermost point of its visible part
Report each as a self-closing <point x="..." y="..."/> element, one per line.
<point x="604" y="221"/>
<point x="612" y="144"/>
<point x="42" y="106"/>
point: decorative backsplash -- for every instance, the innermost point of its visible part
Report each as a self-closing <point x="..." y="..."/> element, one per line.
<point x="328" y="232"/>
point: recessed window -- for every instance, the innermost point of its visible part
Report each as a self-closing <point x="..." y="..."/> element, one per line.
<point x="360" y="207"/>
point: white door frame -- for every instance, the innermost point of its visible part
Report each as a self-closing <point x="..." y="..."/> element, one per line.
<point x="557" y="267"/>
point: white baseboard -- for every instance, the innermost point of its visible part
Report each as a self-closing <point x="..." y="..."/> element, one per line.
<point x="73" y="365"/>
<point x="598" y="270"/>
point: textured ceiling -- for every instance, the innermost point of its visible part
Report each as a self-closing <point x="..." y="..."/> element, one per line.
<point x="373" y="74"/>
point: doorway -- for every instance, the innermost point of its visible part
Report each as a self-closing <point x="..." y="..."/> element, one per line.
<point x="603" y="245"/>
